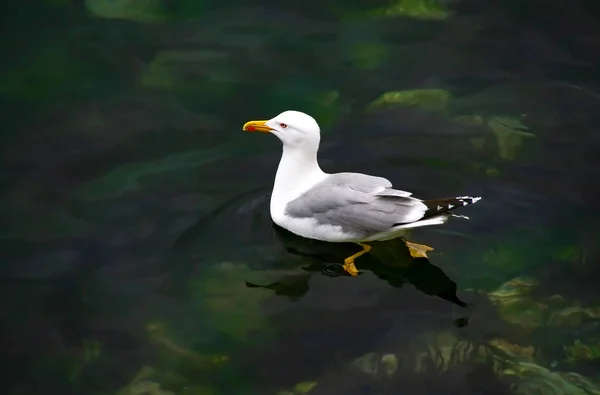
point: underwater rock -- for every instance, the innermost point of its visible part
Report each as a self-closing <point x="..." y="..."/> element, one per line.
<point x="135" y="10"/>
<point x="569" y="316"/>
<point x="513" y="350"/>
<point x="446" y="349"/>
<point x="418" y="9"/>
<point x="581" y="352"/>
<point x="304" y="387"/>
<point x="514" y="305"/>
<point x="197" y="390"/>
<point x="516" y="288"/>
<point x="367" y="363"/>
<point x="157" y="333"/>
<point x="374" y="364"/>
<point x="227" y="303"/>
<point x="554" y="300"/>
<point x="510" y="133"/>
<point x="528" y="314"/>
<point x="433" y="99"/>
<point x="593" y="312"/>
<point x="299" y="389"/>
<point x="535" y="379"/>
<point x="390" y="364"/>
<point x="142" y="385"/>
<point x="146" y="388"/>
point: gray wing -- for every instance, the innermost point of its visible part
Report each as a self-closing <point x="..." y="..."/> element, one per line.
<point x="359" y="203"/>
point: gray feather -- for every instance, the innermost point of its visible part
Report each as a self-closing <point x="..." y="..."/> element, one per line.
<point x="393" y="192"/>
<point x="360" y="204"/>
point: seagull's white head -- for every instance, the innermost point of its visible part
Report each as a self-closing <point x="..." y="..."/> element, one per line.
<point x="295" y="129"/>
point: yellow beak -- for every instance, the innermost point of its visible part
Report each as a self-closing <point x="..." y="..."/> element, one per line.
<point x="256" y="126"/>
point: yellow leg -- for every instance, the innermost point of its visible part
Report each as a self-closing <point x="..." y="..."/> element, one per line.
<point x="417" y="250"/>
<point x="349" y="262"/>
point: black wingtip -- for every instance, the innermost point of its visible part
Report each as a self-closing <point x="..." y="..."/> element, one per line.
<point x="445" y="205"/>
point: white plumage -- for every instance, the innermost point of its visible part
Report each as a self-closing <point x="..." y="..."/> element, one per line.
<point x="340" y="207"/>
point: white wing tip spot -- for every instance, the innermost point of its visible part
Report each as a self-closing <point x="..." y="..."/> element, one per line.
<point x="468" y="199"/>
<point x="460" y="216"/>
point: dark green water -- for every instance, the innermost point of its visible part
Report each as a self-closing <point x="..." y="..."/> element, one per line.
<point x="138" y="252"/>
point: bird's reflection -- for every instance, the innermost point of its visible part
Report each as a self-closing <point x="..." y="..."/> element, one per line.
<point x="390" y="261"/>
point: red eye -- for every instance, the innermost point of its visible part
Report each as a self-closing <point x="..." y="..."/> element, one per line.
<point x="283" y="125"/>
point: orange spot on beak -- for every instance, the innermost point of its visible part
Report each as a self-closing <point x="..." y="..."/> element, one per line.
<point x="257" y="126"/>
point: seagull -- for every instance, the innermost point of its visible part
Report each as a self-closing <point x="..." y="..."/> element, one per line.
<point x="341" y="207"/>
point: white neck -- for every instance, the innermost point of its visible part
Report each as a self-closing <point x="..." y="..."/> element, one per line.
<point x="297" y="172"/>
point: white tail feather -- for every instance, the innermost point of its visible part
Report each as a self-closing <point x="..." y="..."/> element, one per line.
<point x="439" y="220"/>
